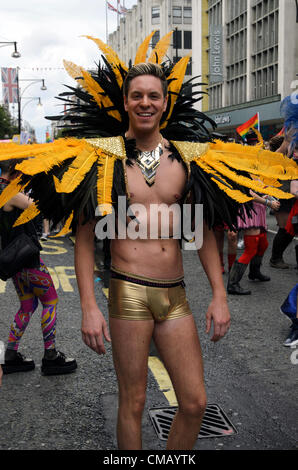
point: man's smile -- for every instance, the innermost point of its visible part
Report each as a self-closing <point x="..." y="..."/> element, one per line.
<point x="145" y="114"/>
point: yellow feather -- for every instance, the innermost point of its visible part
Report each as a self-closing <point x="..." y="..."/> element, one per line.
<point x="111" y="57"/>
<point x="232" y="193"/>
<point x="11" y="190"/>
<point x="8" y="151"/>
<point x="105" y="175"/>
<point x="30" y="213"/>
<point x="142" y="50"/>
<point x="270" y="181"/>
<point x="260" y="138"/>
<point x="23" y="151"/>
<point x="254" y="160"/>
<point x="91" y="86"/>
<point x="45" y="161"/>
<point x="177" y="75"/>
<point x="223" y="184"/>
<point x="75" y="71"/>
<point x="66" y="228"/>
<point x="76" y="171"/>
<point x="257" y="186"/>
<point x="99" y="95"/>
<point x="160" y="48"/>
<point x="235" y="194"/>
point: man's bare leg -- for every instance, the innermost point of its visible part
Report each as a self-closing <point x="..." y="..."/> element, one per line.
<point x="130" y="344"/>
<point x="179" y="348"/>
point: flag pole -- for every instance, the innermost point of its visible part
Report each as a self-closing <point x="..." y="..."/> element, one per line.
<point x="107" y="33"/>
<point x="118" y="13"/>
<point x="19" y="104"/>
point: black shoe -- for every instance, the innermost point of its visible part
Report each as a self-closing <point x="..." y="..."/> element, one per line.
<point x="278" y="263"/>
<point x="236" y="289"/>
<point x="60" y="365"/>
<point x="292" y="338"/>
<point x="19" y="364"/>
<point x="258" y="277"/>
<point x="254" y="270"/>
<point x="235" y="277"/>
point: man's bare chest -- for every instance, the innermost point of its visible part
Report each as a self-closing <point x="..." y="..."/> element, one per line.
<point x="168" y="187"/>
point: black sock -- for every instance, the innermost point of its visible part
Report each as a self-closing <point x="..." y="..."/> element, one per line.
<point x="50" y="354"/>
<point x="10" y="354"/>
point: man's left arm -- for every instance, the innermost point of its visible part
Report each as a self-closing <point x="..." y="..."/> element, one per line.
<point x="218" y="310"/>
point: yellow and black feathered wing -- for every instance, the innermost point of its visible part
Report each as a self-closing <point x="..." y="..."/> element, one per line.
<point x="74" y="175"/>
<point x="71" y="177"/>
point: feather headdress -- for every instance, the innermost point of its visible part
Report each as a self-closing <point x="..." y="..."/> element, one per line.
<point x="98" y="108"/>
<point x="72" y="177"/>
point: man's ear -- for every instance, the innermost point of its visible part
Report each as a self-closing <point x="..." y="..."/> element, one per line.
<point x="165" y="103"/>
<point x="125" y="102"/>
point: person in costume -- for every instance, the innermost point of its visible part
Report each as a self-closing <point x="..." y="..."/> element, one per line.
<point x="254" y="229"/>
<point x="146" y="295"/>
<point x="31" y="284"/>
<point x="150" y="146"/>
<point x="289" y="147"/>
<point x="289" y="306"/>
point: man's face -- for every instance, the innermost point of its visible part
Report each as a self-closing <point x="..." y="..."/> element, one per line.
<point x="145" y="103"/>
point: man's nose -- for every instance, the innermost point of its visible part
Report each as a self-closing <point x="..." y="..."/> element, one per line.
<point x="145" y="101"/>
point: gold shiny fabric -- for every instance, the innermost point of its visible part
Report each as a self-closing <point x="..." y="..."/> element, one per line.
<point x="131" y="301"/>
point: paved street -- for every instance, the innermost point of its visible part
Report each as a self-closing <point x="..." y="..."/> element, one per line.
<point x="249" y="373"/>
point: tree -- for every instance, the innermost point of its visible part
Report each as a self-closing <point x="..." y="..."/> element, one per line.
<point x="7" y="128"/>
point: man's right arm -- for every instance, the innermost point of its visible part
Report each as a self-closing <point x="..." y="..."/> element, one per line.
<point x="94" y="325"/>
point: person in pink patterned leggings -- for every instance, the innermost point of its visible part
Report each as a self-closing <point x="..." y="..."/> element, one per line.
<point x="31" y="284"/>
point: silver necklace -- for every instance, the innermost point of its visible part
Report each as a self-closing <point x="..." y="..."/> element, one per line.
<point x="148" y="161"/>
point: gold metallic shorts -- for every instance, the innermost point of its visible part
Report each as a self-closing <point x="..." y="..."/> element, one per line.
<point x="134" y="297"/>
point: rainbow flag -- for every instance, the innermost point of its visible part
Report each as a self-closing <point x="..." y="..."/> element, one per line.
<point x="48" y="137"/>
<point x="253" y="122"/>
<point x="281" y="132"/>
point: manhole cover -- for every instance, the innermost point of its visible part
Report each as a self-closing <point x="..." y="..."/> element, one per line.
<point x="215" y="423"/>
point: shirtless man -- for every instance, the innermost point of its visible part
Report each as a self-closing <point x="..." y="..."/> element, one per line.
<point x="160" y="310"/>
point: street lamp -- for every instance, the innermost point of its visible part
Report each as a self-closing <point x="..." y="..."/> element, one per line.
<point x="16" y="53"/>
<point x="33" y="80"/>
<point x="30" y="98"/>
<point x="20" y="95"/>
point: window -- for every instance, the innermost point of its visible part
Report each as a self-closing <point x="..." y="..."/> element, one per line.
<point x="189" y="68"/>
<point x="155" y="38"/>
<point x="265" y="49"/>
<point x="187" y="40"/>
<point x="187" y="15"/>
<point x="155" y="15"/>
<point x="215" y="96"/>
<point x="177" y="39"/>
<point x="177" y="14"/>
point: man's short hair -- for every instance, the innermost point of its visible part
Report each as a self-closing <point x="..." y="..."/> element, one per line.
<point x="145" y="69"/>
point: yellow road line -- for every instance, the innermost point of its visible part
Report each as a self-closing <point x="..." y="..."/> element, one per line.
<point x="162" y="377"/>
<point x="106" y="292"/>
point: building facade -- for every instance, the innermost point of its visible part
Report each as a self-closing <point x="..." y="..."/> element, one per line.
<point x="249" y="60"/>
<point x="160" y="16"/>
<point x="244" y="51"/>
